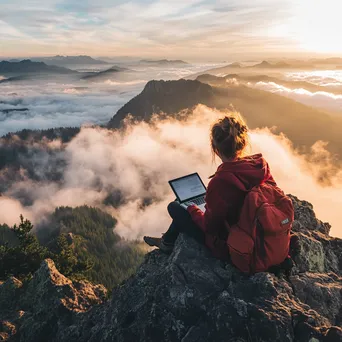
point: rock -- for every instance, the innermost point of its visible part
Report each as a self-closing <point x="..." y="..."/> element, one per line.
<point x="310" y="254"/>
<point x="49" y="300"/>
<point x="322" y="292"/>
<point x="189" y="296"/>
<point x="306" y="218"/>
<point x="9" y="292"/>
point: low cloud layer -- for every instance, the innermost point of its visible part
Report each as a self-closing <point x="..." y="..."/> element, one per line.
<point x="321" y="99"/>
<point x="66" y="101"/>
<point x="61" y="104"/>
<point x="323" y="78"/>
<point x="138" y="163"/>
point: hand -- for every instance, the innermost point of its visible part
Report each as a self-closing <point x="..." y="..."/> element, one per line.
<point x="188" y="204"/>
<point x="184" y="206"/>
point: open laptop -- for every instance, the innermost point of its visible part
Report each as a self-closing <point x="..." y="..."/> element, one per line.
<point x="189" y="190"/>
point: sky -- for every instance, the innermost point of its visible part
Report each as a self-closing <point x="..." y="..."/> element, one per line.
<point x="188" y="29"/>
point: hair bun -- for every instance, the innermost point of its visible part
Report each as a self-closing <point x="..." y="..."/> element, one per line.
<point x="229" y="136"/>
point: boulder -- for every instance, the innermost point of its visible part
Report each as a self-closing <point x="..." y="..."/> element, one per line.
<point x="189" y="296"/>
<point x="37" y="311"/>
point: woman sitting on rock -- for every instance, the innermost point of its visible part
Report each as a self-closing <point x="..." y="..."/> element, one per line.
<point x="226" y="192"/>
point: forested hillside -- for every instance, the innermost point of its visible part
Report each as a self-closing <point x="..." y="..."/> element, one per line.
<point x="80" y="240"/>
<point x="90" y="231"/>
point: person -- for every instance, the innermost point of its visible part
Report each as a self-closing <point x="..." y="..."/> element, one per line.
<point x="226" y="191"/>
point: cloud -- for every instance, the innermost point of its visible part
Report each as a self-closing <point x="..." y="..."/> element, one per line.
<point x="320" y="99"/>
<point x="324" y="78"/>
<point x="61" y="104"/>
<point x="159" y="29"/>
<point x="68" y="102"/>
<point x="138" y="162"/>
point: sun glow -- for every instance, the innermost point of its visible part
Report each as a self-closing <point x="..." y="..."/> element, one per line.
<point x="317" y="25"/>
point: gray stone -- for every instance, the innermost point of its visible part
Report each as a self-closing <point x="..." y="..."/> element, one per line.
<point x="189" y="296"/>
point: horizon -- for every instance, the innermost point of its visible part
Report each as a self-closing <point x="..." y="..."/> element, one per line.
<point x="119" y="59"/>
<point x="154" y="29"/>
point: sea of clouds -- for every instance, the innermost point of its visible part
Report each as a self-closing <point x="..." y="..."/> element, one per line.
<point x="139" y="161"/>
<point x="68" y="101"/>
<point x="321" y="99"/>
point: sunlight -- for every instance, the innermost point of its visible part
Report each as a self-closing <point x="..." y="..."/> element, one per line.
<point x="317" y="25"/>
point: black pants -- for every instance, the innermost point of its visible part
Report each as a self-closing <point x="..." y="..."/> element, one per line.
<point x="182" y="223"/>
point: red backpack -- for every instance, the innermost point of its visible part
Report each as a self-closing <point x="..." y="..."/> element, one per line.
<point x="261" y="238"/>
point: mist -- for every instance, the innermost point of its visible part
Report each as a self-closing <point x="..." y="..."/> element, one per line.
<point x="321" y="99"/>
<point x="49" y="105"/>
<point x="69" y="101"/>
<point x="137" y="163"/>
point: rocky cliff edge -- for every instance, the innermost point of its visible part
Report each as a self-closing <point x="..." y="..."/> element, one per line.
<point x="188" y="296"/>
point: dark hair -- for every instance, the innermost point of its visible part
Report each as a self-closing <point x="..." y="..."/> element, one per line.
<point x="229" y="136"/>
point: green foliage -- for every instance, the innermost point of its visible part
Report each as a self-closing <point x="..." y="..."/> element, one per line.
<point x="24" y="257"/>
<point x="67" y="262"/>
<point x="7" y="236"/>
<point x="93" y="242"/>
<point x="81" y="241"/>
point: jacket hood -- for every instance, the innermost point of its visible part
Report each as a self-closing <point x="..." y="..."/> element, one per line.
<point x="248" y="171"/>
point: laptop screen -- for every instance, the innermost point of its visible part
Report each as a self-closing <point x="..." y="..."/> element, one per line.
<point x="188" y="187"/>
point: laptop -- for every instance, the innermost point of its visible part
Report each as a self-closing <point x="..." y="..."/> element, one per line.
<point x="189" y="190"/>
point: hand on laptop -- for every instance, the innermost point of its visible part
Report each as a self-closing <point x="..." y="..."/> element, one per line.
<point x="187" y="204"/>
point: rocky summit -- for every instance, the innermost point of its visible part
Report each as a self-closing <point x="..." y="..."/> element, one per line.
<point x="189" y="296"/>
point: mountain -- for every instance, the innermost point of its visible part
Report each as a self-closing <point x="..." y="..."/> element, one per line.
<point x="300" y="123"/>
<point x="265" y="78"/>
<point x="169" y="97"/>
<point x="274" y="65"/>
<point x="91" y="232"/>
<point x="268" y="65"/>
<point x="28" y="67"/>
<point x="81" y="240"/>
<point x="235" y="65"/>
<point x="188" y="296"/>
<point x="163" y="62"/>
<point x="263" y="65"/>
<point x="69" y="60"/>
<point x="15" y="79"/>
<point x="332" y="60"/>
<point x="104" y="74"/>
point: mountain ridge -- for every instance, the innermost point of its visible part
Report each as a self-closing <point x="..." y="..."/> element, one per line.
<point x="29" y="67"/>
<point x="168" y="98"/>
<point x="69" y="60"/>
<point x="108" y="72"/>
<point x="163" y="62"/>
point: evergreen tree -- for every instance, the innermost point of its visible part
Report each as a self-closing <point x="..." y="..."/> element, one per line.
<point x="24" y="258"/>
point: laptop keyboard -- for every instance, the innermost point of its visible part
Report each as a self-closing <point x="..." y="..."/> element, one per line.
<point x="198" y="201"/>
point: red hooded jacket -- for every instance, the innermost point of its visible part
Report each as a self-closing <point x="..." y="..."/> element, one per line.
<point x="224" y="199"/>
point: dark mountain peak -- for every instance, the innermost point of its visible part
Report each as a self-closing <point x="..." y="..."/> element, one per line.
<point x="169" y="97"/>
<point x="60" y="60"/>
<point x="263" y="64"/>
<point x="174" y="86"/>
<point x="268" y="65"/>
<point x="28" y="66"/>
<point x="163" y="61"/>
<point x="235" y="65"/>
<point x="98" y="75"/>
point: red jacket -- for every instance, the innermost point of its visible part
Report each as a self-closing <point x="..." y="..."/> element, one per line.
<point x="224" y="199"/>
